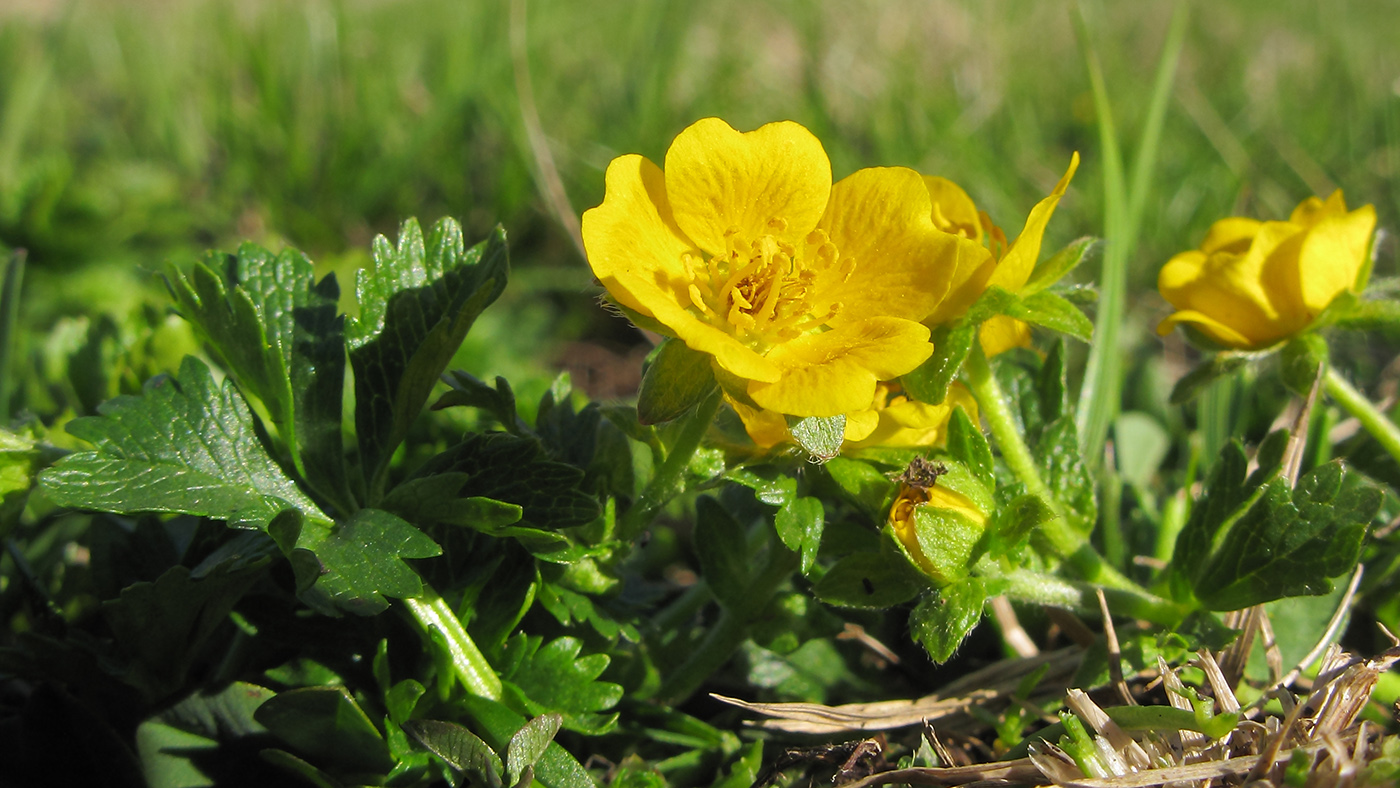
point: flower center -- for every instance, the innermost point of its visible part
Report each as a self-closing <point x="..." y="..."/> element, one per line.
<point x="765" y="291"/>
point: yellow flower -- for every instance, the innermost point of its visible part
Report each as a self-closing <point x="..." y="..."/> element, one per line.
<point x="1004" y="265"/>
<point x="1252" y="283"/>
<point x="892" y="419"/>
<point x="804" y="293"/>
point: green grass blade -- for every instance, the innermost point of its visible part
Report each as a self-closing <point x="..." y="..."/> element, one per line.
<point x="1124" y="203"/>
<point x="9" y="320"/>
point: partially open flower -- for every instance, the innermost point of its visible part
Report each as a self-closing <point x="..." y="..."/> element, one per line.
<point x="1002" y="264"/>
<point x="1252" y="284"/>
<point x="805" y="294"/>
<point x="936" y="519"/>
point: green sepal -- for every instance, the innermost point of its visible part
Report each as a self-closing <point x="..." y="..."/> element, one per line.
<point x="949" y="540"/>
<point x="1205" y="373"/>
<point x="1055" y="267"/>
<point x="820" y="436"/>
<point x="677" y="379"/>
<point x="967" y="443"/>
<point x="1302" y="360"/>
<point x="951" y="344"/>
<point x="1356" y="314"/>
<point x="1053" y="312"/>
<point x="869" y="581"/>
<point x="945" y="617"/>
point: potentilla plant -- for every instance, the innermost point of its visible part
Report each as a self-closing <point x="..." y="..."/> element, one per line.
<point x="860" y="402"/>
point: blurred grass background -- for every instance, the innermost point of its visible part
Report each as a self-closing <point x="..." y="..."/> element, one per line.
<point x="136" y="132"/>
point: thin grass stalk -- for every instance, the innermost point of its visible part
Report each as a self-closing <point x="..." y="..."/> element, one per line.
<point x="1124" y="205"/>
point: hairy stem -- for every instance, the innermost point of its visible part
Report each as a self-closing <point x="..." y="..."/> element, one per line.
<point x="1354" y="402"/>
<point x="1063" y="540"/>
<point x="432" y="614"/>
<point x="669" y="481"/>
<point x="1026" y="585"/>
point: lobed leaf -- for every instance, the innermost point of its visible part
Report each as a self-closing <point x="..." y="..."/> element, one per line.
<point x="800" y="523"/>
<point x="185" y="445"/>
<point x="416" y="306"/>
<point x="278" y="332"/>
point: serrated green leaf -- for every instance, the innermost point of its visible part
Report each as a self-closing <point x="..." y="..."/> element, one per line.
<point x="943" y="619"/>
<point x="1057" y="453"/>
<point x="967" y="444"/>
<point x="819" y="436"/>
<point x="351" y="566"/>
<point x="1054" y="268"/>
<point x="278" y="332"/>
<point x="467" y="390"/>
<point x="722" y="548"/>
<point x="328" y="726"/>
<point x="185" y="446"/>
<point x="416" y="306"/>
<point x="769" y="483"/>
<point x="1205" y="373"/>
<point x="799" y="524"/>
<point x="515" y="470"/>
<point x="677" y="379"/>
<point x="868" y="580"/>
<point x="556" y="679"/>
<point x="162" y="626"/>
<point x="459" y="747"/>
<point x="437" y="499"/>
<point x="528" y="745"/>
<point x="1289" y="545"/>
<point x="1053" y="312"/>
<point x="951" y="344"/>
<point x="1303" y="358"/>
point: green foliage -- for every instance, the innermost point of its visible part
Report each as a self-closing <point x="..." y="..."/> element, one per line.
<point x="1253" y="540"/>
<point x="943" y="618"/>
<point x="416" y="305"/>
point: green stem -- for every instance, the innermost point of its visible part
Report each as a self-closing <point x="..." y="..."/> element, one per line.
<point x="1026" y="585"/>
<point x="1354" y="402"/>
<point x="432" y="614"/>
<point x="669" y="481"/>
<point x="731" y="630"/>
<point x="1063" y="540"/>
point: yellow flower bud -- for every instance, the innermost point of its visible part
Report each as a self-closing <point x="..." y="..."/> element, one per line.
<point x="1252" y="284"/>
<point x="938" y="527"/>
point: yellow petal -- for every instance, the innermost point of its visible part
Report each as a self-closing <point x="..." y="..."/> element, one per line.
<point x="1256" y="295"/>
<point x="1014" y="269"/>
<point x="913" y="423"/>
<point x="1207" y="325"/>
<point x="765" y="427"/>
<point x="635" y="250"/>
<point x="1333" y="254"/>
<point x="971" y="271"/>
<point x="953" y="211"/>
<point x="1313" y="210"/>
<point x="860" y="424"/>
<point x="835" y="372"/>
<point x="1231" y="235"/>
<point x="880" y="217"/>
<point x="771" y="181"/>
<point x="1001" y="333"/>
